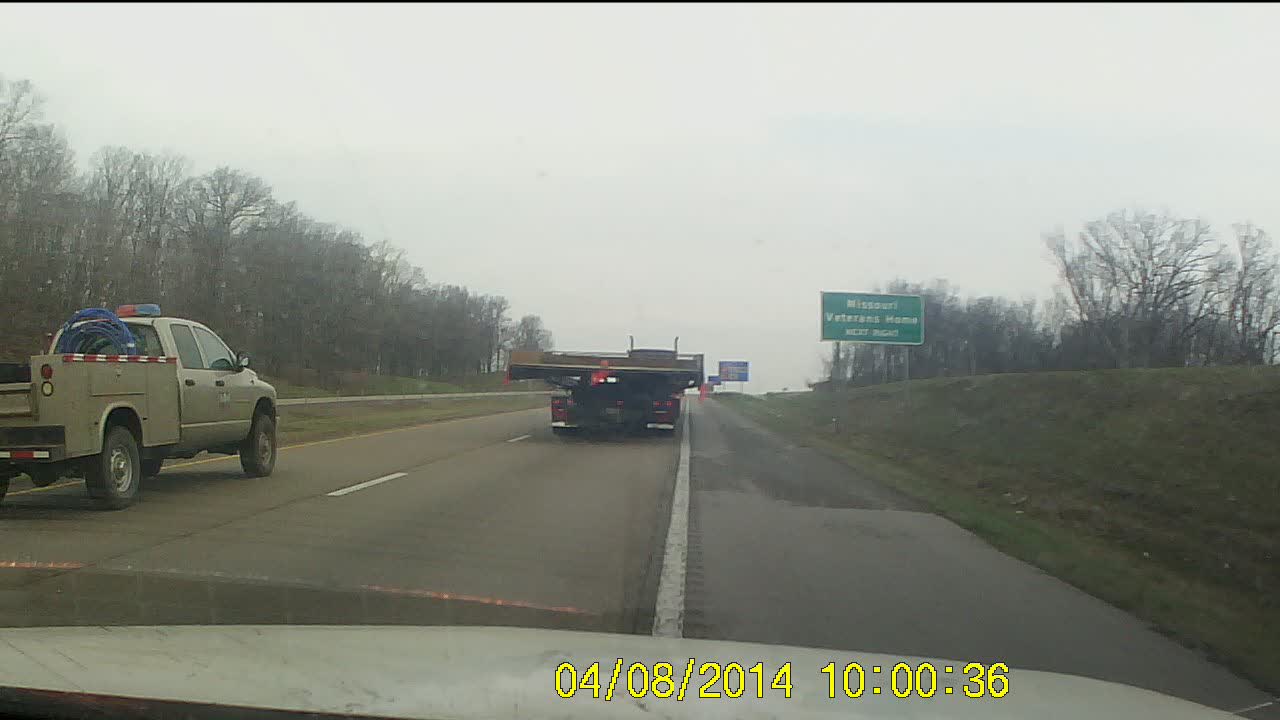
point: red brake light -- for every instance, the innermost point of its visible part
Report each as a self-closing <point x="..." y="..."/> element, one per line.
<point x="46" y="372"/>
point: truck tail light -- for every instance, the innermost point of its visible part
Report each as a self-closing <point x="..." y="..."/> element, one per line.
<point x="560" y="408"/>
<point x="46" y="372"/>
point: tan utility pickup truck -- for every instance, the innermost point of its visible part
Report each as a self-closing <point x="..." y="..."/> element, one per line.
<point x="113" y="419"/>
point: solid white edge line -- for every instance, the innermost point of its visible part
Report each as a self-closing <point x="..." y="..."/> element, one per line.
<point x="668" y="611"/>
<point x="366" y="484"/>
<point x="518" y="439"/>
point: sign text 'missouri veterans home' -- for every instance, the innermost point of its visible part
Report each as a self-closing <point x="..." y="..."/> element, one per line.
<point x="873" y="318"/>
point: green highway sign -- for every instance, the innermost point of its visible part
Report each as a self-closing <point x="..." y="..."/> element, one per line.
<point x="872" y="318"/>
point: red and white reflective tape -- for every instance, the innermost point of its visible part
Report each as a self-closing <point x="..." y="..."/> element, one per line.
<point x="80" y="357"/>
<point x="24" y="454"/>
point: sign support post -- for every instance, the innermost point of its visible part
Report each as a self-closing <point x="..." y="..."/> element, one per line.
<point x="907" y="381"/>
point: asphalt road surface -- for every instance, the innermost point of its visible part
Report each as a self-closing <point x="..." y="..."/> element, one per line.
<point x="494" y="521"/>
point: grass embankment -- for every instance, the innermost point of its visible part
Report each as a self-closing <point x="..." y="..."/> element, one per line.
<point x="354" y="384"/>
<point x="1156" y="490"/>
<point x="302" y="423"/>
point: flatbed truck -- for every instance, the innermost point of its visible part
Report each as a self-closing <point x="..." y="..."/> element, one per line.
<point x="632" y="392"/>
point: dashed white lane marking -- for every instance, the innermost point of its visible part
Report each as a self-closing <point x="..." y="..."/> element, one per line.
<point x="1259" y="706"/>
<point x="366" y="484"/>
<point x="668" y="615"/>
<point x="518" y="439"/>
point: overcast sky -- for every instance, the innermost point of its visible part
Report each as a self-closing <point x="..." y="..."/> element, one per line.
<point x="713" y="167"/>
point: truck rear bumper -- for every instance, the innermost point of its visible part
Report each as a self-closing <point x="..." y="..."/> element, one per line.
<point x="562" y="424"/>
<point x="660" y="426"/>
<point x="38" y="454"/>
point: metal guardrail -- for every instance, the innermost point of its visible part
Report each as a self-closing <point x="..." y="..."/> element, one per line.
<point x="429" y="396"/>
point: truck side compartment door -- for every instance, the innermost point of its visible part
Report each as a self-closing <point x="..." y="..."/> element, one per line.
<point x="201" y="416"/>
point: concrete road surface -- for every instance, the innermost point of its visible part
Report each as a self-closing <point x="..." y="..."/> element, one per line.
<point x="493" y="520"/>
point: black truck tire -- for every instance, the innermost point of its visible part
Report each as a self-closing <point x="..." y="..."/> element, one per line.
<point x="114" y="475"/>
<point x="258" y="450"/>
<point x="4" y="486"/>
<point x="151" y="467"/>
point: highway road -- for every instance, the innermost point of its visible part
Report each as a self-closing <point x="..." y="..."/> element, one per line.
<point x="492" y="520"/>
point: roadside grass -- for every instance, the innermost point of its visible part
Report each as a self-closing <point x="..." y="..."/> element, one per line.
<point x="1156" y="490"/>
<point x="303" y="423"/>
<point x="361" y="384"/>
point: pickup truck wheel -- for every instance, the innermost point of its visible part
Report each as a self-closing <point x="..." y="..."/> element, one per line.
<point x="4" y="486"/>
<point x="151" y="467"/>
<point x="258" y="451"/>
<point x="112" y="478"/>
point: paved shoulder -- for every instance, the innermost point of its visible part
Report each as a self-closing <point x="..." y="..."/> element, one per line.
<point x="788" y="546"/>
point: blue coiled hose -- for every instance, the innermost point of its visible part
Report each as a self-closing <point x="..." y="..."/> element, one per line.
<point x="102" y="333"/>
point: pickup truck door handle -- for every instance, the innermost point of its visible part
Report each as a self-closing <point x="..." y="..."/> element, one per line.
<point x="219" y="383"/>
<point x="189" y="382"/>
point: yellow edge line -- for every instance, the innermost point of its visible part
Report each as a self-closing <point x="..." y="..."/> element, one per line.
<point x="69" y="483"/>
<point x="46" y="488"/>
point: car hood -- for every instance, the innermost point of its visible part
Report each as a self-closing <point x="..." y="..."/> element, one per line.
<point x="502" y="673"/>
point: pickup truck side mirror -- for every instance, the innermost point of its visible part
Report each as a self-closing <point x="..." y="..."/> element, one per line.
<point x="242" y="362"/>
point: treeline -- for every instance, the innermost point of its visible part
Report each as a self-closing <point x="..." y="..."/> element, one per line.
<point x="302" y="296"/>
<point x="1137" y="289"/>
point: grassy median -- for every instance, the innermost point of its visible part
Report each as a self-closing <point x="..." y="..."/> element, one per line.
<point x="301" y="423"/>
<point x="1156" y="490"/>
<point x="362" y="384"/>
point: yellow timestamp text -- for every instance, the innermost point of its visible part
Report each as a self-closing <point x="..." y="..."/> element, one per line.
<point x="664" y="680"/>
<point x="904" y="680"/>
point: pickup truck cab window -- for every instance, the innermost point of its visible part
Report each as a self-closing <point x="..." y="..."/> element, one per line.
<point x="188" y="351"/>
<point x="217" y="356"/>
<point x="147" y="339"/>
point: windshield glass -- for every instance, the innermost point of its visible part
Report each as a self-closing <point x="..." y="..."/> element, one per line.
<point x="943" y="332"/>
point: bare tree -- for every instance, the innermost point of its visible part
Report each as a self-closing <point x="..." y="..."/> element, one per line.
<point x="216" y="206"/>
<point x="531" y="335"/>
<point x="1141" y="282"/>
<point x="20" y="109"/>
<point x="1253" y="312"/>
